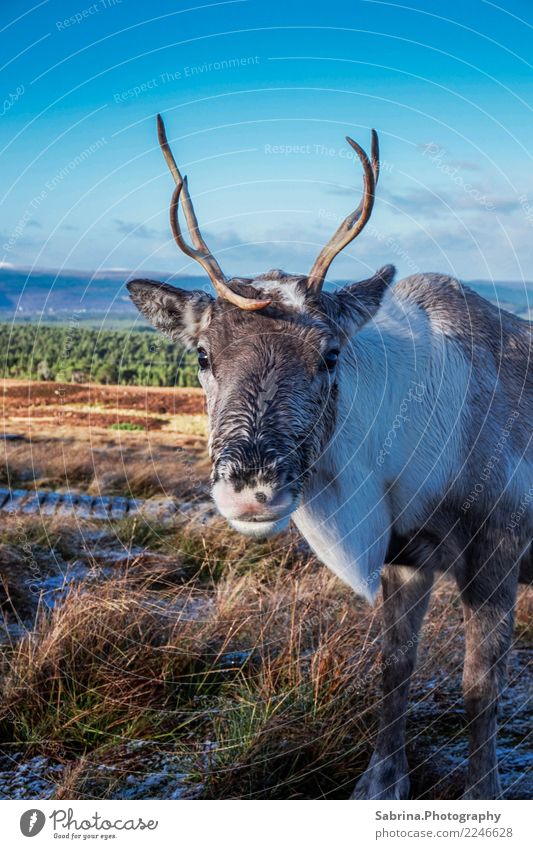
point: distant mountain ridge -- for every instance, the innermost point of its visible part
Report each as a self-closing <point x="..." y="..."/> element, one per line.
<point x="47" y="291"/>
<point x="42" y="292"/>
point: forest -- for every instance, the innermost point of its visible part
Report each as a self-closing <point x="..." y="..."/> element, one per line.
<point x="79" y="355"/>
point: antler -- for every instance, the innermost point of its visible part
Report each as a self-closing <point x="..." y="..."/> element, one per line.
<point x="200" y="252"/>
<point x="353" y="223"/>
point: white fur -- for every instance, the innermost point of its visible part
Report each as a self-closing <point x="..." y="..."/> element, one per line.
<point x="346" y="524"/>
<point x="287" y="291"/>
<point x="260" y="530"/>
<point x="397" y="444"/>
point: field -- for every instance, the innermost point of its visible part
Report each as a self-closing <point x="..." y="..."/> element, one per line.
<point x="164" y="656"/>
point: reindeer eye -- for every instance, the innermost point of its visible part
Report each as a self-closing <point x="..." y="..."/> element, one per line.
<point x="203" y="359"/>
<point x="330" y="359"/>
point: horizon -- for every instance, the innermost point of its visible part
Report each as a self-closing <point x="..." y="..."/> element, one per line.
<point x="256" y="106"/>
<point x="39" y="293"/>
<point x="197" y="275"/>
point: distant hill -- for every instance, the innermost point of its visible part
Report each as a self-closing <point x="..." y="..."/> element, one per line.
<point x="515" y="297"/>
<point x="60" y="295"/>
<point x="49" y="293"/>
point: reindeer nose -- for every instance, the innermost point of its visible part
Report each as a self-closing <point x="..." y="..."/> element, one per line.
<point x="251" y="503"/>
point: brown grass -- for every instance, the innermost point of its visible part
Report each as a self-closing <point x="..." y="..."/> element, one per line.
<point x="245" y="666"/>
<point x="524" y="614"/>
<point x="110" y="463"/>
<point x="250" y="664"/>
<point x="267" y="669"/>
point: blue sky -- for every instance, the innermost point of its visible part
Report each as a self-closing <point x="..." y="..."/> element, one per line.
<point x="257" y="98"/>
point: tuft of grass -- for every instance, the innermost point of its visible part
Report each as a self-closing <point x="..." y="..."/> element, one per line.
<point x="126" y="426"/>
<point x="524" y="615"/>
<point x="208" y="553"/>
<point x="262" y="668"/>
<point x="39" y="542"/>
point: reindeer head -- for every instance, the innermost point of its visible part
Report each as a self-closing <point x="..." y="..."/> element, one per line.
<point x="270" y="352"/>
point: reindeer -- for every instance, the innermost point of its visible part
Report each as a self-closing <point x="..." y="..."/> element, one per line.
<point x="392" y="424"/>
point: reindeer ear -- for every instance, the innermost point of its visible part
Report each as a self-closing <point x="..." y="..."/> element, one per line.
<point x="179" y="314"/>
<point x="357" y="303"/>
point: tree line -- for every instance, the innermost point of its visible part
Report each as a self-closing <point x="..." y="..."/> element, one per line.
<point x="80" y="355"/>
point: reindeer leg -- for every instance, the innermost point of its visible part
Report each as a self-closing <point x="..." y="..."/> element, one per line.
<point x="488" y="590"/>
<point x="406" y="593"/>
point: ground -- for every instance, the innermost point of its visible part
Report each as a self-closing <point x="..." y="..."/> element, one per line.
<point x="164" y="656"/>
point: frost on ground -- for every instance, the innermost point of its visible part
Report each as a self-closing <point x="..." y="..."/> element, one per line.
<point x="36" y="778"/>
<point x="438" y="737"/>
<point x="135" y="770"/>
<point x="140" y="772"/>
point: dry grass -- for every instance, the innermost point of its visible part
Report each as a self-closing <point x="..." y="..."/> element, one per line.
<point x="113" y="463"/>
<point x="524" y="614"/>
<point x="265" y="669"/>
<point x="246" y="666"/>
<point x="249" y="664"/>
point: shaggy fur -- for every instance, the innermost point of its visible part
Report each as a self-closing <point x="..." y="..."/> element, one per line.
<point x="415" y="451"/>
